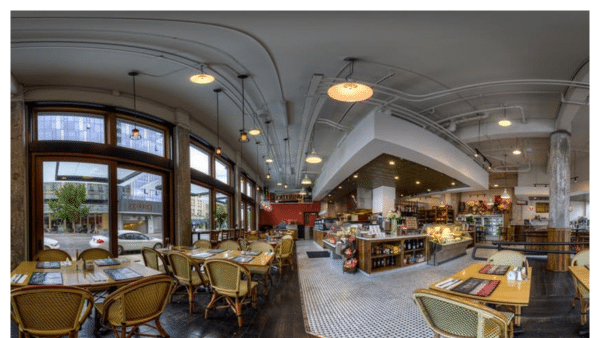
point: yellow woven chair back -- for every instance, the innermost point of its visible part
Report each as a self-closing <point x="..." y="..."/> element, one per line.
<point x="508" y="257"/>
<point x="202" y="244"/>
<point x="138" y="302"/>
<point x="450" y="315"/>
<point x="181" y="265"/>
<point x="95" y="253"/>
<point x="52" y="255"/>
<point x="50" y="310"/>
<point x="261" y="246"/>
<point x="225" y="276"/>
<point x="243" y="244"/>
<point x="153" y="259"/>
<point x="284" y="248"/>
<point x="229" y="245"/>
<point x="581" y="258"/>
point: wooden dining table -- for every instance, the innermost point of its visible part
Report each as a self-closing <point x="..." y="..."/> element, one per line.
<point x="510" y="293"/>
<point x="582" y="275"/>
<point x="94" y="278"/>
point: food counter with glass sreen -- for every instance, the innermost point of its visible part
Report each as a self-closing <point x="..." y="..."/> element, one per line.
<point x="446" y="243"/>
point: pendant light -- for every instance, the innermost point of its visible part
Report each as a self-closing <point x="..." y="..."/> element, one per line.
<point x="350" y="91"/>
<point x="135" y="132"/>
<point x="313" y="157"/>
<point x="285" y="186"/>
<point x="254" y="131"/>
<point x="202" y="78"/>
<point x="268" y="159"/>
<point x="302" y="191"/>
<point x="243" y="134"/>
<point x="306" y="180"/>
<point x="505" y="195"/>
<point x="504" y="122"/>
<point x="218" y="151"/>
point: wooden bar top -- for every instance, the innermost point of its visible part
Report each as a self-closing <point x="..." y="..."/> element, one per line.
<point x="388" y="238"/>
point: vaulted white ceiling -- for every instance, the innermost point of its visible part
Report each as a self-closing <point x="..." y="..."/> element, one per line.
<point x="453" y="73"/>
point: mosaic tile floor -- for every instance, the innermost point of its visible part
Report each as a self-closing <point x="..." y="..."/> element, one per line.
<point x="337" y="304"/>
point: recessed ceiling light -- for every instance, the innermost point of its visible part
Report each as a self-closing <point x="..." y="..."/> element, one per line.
<point x="355" y="175"/>
<point x="517" y="151"/>
<point x="278" y="183"/>
<point x="340" y="187"/>
<point x="453" y="183"/>
<point x="476" y="155"/>
<point x="397" y="177"/>
<point x="401" y="195"/>
<point x="428" y="189"/>
<point x="392" y="162"/>
<point x="495" y="185"/>
<point x="418" y="182"/>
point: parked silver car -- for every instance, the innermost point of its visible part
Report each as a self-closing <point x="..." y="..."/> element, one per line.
<point x="128" y="240"/>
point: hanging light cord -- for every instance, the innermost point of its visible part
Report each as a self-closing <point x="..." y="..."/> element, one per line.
<point x="243" y="104"/>
<point x="218" y="135"/>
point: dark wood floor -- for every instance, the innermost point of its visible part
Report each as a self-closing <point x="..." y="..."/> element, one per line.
<point x="280" y="314"/>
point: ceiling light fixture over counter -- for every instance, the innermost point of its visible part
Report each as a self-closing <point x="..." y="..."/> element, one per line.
<point x="350" y="91"/>
<point x="313" y="157"/>
<point x="135" y="132"/>
<point x="243" y="135"/>
<point x="306" y="180"/>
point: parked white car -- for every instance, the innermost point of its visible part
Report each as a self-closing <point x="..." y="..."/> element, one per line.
<point x="50" y="243"/>
<point x="128" y="240"/>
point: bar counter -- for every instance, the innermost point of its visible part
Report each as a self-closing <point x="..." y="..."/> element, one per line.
<point x="409" y="248"/>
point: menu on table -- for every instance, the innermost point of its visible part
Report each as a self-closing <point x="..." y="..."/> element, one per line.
<point x="121" y="274"/>
<point x="251" y="253"/>
<point x="47" y="265"/>
<point x="477" y="287"/>
<point x="202" y="254"/>
<point x="242" y="259"/>
<point x="46" y="278"/>
<point x="490" y="269"/>
<point x="106" y="262"/>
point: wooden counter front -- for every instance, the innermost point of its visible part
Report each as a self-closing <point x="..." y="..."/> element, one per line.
<point x="367" y="261"/>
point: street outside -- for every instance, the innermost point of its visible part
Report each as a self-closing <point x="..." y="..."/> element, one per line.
<point x="79" y="242"/>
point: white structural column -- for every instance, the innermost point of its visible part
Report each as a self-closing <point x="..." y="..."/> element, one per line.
<point x="384" y="199"/>
<point x="560" y="185"/>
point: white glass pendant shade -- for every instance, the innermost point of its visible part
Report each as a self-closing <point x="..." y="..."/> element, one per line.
<point x="202" y="78"/>
<point x="269" y="160"/>
<point x="313" y="157"/>
<point x="254" y="131"/>
<point x="505" y="195"/>
<point x="504" y="122"/>
<point x="350" y="92"/>
<point x="306" y="180"/>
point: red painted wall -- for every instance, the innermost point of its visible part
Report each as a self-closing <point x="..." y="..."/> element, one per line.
<point x="285" y="212"/>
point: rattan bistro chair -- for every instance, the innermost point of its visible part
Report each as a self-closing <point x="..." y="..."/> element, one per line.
<point x="52" y="255"/>
<point x="134" y="305"/>
<point x="253" y="235"/>
<point x="243" y="243"/>
<point x="202" y="244"/>
<point x="508" y="257"/>
<point x="188" y="273"/>
<point x="580" y="259"/>
<point x="155" y="260"/>
<point x="453" y="316"/>
<point x="283" y="252"/>
<point x="227" y="284"/>
<point x="95" y="253"/>
<point x="229" y="245"/>
<point x="50" y="311"/>
<point x="263" y="271"/>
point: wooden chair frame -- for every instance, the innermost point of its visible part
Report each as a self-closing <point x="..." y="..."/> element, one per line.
<point x="185" y="278"/>
<point x="52" y="255"/>
<point x="95" y="253"/>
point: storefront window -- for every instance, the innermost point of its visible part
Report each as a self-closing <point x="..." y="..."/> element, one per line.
<point x="222" y="211"/>
<point x="152" y="141"/>
<point x="75" y="197"/>
<point x="200" y="205"/>
<point x="70" y="127"/>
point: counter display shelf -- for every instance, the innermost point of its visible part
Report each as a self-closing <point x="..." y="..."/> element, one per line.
<point x="318" y="236"/>
<point x="391" y="252"/>
<point x="447" y="243"/>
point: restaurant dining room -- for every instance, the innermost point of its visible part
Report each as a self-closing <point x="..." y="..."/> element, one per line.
<point x="299" y="173"/>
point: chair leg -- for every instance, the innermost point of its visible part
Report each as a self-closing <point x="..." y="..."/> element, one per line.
<point x="238" y="311"/>
<point x="191" y="293"/>
<point x="212" y="302"/>
<point x="255" y="298"/>
<point x="160" y="329"/>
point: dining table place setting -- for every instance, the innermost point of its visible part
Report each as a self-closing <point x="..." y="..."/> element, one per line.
<point x="18" y="278"/>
